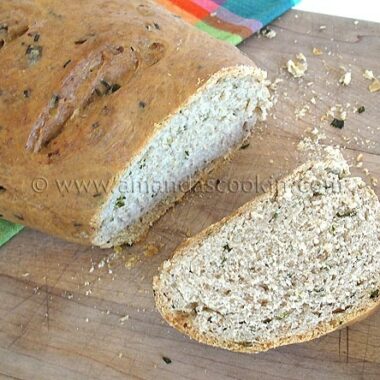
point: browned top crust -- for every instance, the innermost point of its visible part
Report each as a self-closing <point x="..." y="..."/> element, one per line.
<point x="82" y="85"/>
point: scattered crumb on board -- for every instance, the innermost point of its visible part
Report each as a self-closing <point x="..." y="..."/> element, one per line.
<point x="297" y="67"/>
<point x="150" y="250"/>
<point x="375" y="84"/>
<point x="317" y="51"/>
<point x="268" y="33"/>
<point x="346" y="77"/>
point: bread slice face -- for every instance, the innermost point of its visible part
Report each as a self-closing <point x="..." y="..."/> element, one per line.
<point x="290" y="266"/>
<point x="213" y="123"/>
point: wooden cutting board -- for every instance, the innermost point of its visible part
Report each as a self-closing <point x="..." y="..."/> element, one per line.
<point x="71" y="312"/>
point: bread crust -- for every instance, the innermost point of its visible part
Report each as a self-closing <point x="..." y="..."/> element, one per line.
<point x="95" y="140"/>
<point x="183" y="323"/>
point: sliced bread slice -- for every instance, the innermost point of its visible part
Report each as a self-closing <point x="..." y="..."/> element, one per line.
<point x="290" y="266"/>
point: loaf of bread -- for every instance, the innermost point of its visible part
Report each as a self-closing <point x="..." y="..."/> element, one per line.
<point x="288" y="267"/>
<point x="110" y="110"/>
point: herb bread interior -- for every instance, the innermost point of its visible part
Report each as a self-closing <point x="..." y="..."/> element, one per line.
<point x="289" y="266"/>
<point x="214" y="122"/>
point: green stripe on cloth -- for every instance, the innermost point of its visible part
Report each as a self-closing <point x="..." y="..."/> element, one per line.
<point x="8" y="230"/>
<point x="234" y="39"/>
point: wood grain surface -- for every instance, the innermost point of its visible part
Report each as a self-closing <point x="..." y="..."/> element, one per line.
<point x="72" y="312"/>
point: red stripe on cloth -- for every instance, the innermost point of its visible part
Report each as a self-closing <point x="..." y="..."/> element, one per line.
<point x="177" y="10"/>
<point x="192" y="8"/>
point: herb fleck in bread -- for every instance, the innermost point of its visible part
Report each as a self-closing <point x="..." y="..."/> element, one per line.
<point x="106" y="95"/>
<point x="287" y="267"/>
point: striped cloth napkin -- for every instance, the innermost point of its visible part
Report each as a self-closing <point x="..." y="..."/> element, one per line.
<point x="8" y="230"/>
<point x="228" y="20"/>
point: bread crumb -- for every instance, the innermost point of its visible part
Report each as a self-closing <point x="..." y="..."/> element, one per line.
<point x="298" y="67"/>
<point x="118" y="249"/>
<point x="273" y="86"/>
<point x="374" y="181"/>
<point x="360" y="109"/>
<point x="374" y="86"/>
<point x="69" y="296"/>
<point x="123" y="319"/>
<point x="317" y="51"/>
<point x="302" y="112"/>
<point x="345" y="79"/>
<point x="311" y="144"/>
<point x="322" y="27"/>
<point x="335" y="112"/>
<point x="268" y="33"/>
<point x="359" y="157"/>
<point x="150" y="250"/>
<point x="131" y="262"/>
<point x="368" y="74"/>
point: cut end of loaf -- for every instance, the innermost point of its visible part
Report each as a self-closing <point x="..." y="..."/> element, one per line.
<point x="288" y="267"/>
<point x="213" y="122"/>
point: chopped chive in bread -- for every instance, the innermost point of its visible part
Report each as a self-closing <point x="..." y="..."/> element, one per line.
<point x="215" y="121"/>
<point x="287" y="267"/>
